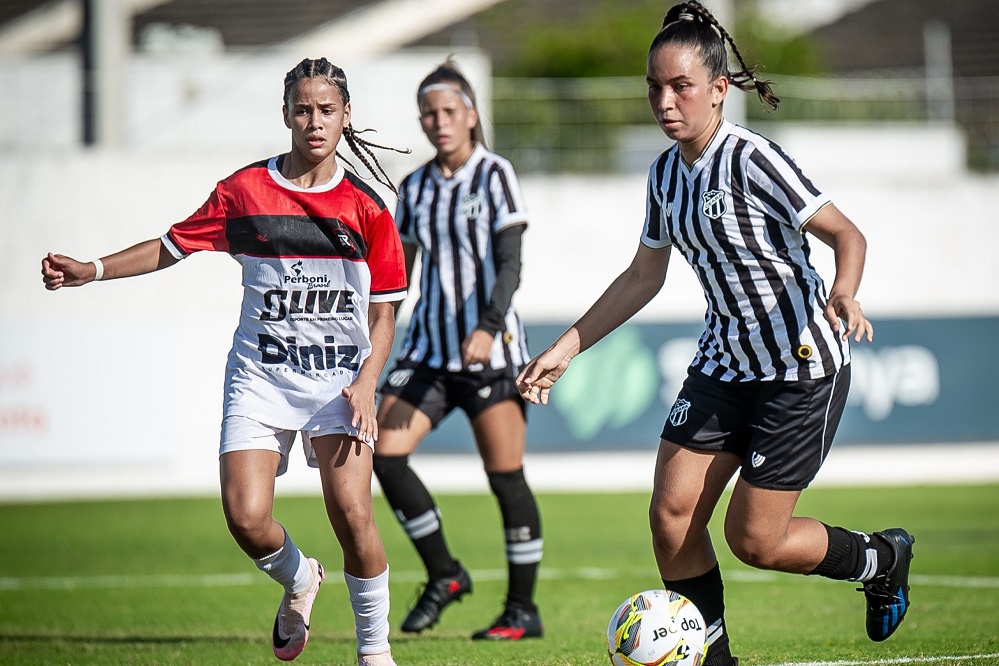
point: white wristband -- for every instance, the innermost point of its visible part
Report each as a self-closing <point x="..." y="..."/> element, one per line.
<point x="99" y="265"/>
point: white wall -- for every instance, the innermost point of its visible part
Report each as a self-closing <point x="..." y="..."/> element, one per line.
<point x="120" y="382"/>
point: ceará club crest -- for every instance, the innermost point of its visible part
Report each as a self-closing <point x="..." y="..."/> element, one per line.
<point x="471" y="206"/>
<point x="713" y="204"/>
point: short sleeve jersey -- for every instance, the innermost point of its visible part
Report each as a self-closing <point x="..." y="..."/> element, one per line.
<point x="454" y="221"/>
<point x="738" y="216"/>
<point x="312" y="260"/>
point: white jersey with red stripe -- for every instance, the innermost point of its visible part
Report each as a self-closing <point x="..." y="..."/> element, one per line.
<point x="312" y="259"/>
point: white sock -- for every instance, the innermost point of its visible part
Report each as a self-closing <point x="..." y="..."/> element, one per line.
<point x="288" y="566"/>
<point x="369" y="597"/>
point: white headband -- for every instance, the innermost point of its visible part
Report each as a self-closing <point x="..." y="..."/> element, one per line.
<point x="444" y="86"/>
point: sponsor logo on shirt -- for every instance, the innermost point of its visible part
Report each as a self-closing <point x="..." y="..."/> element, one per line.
<point x="316" y="304"/>
<point x="308" y="358"/>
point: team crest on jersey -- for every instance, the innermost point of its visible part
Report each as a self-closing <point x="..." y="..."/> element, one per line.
<point x="678" y="415"/>
<point x="471" y="206"/>
<point x="713" y="204"/>
<point x="346" y="244"/>
<point x="399" y="377"/>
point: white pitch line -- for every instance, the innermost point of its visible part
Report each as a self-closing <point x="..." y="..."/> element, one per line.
<point x="948" y="659"/>
<point x="550" y="573"/>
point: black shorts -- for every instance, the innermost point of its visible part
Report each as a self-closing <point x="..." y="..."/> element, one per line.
<point x="437" y="392"/>
<point x="781" y="430"/>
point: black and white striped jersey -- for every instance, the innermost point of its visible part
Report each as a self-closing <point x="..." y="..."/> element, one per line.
<point x="738" y="215"/>
<point x="454" y="221"/>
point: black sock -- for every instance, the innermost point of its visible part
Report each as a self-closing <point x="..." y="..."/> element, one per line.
<point x="522" y="533"/>
<point x="853" y="556"/>
<point x="416" y="512"/>
<point x="707" y="592"/>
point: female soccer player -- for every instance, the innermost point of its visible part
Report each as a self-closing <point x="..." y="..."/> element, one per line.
<point x="464" y="347"/>
<point x="322" y="269"/>
<point x="768" y="384"/>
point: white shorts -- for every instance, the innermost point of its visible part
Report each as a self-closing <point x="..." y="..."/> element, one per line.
<point x="241" y="433"/>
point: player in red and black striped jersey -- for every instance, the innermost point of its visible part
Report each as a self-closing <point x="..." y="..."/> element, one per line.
<point x="323" y="270"/>
<point x="768" y="385"/>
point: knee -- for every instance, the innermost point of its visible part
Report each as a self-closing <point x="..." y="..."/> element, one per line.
<point x="669" y="523"/>
<point x="750" y="549"/>
<point x="248" y="523"/>
<point x="353" y="514"/>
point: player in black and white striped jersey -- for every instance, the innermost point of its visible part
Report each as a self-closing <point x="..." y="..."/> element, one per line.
<point x="767" y="387"/>
<point x="464" y="212"/>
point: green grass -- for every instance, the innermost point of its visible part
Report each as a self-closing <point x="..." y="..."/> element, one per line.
<point x="128" y="583"/>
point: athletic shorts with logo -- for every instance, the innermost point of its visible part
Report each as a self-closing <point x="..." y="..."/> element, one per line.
<point x="781" y="430"/>
<point x="437" y="392"/>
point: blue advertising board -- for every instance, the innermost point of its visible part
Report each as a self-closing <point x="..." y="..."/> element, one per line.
<point x="920" y="381"/>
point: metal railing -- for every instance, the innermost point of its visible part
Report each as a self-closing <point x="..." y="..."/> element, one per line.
<point x="589" y="125"/>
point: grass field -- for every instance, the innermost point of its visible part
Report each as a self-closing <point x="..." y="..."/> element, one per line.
<point x="161" y="582"/>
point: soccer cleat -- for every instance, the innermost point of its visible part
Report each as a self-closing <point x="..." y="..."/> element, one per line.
<point x="291" y="626"/>
<point x="437" y="594"/>
<point x="380" y="659"/>
<point x="888" y="593"/>
<point x="514" y="624"/>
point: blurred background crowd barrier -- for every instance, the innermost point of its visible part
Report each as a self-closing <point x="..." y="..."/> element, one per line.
<point x="107" y="139"/>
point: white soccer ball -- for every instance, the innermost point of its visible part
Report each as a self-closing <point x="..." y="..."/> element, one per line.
<point x="657" y="628"/>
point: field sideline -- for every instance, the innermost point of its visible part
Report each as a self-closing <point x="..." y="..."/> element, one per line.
<point x="930" y="464"/>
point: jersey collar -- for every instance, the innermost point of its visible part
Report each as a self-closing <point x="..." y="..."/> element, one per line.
<point x="275" y="174"/>
<point x="464" y="172"/>
<point x="722" y="131"/>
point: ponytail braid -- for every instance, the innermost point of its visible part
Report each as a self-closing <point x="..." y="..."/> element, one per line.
<point x="690" y="23"/>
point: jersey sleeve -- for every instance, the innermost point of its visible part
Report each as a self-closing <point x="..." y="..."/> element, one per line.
<point x="506" y="197"/>
<point x="780" y="186"/>
<point x="404" y="212"/>
<point x="654" y="233"/>
<point x="203" y="230"/>
<point x="385" y="259"/>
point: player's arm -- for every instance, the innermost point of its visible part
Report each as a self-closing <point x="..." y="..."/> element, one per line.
<point x="410" y="252"/>
<point x="361" y="393"/>
<point x="58" y="270"/>
<point x="625" y="296"/>
<point x="836" y="230"/>
<point x="477" y="347"/>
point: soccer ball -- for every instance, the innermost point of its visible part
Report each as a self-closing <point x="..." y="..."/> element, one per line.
<point x="657" y="628"/>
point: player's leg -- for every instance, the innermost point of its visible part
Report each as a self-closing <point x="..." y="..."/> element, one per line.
<point x="247" y="480"/>
<point x="793" y="429"/>
<point x="345" y="469"/>
<point x="500" y="434"/>
<point x="687" y="486"/>
<point x="402" y="425"/>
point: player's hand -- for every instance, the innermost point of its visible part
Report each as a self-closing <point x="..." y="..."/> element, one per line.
<point x="841" y="309"/>
<point x="536" y="380"/>
<point x="361" y="397"/>
<point x="477" y="348"/>
<point x="61" y="271"/>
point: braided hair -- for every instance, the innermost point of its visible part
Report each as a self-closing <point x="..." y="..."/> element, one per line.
<point x="321" y="67"/>
<point x="691" y="24"/>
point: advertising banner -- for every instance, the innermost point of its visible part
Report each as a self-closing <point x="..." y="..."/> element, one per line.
<point x="920" y="381"/>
